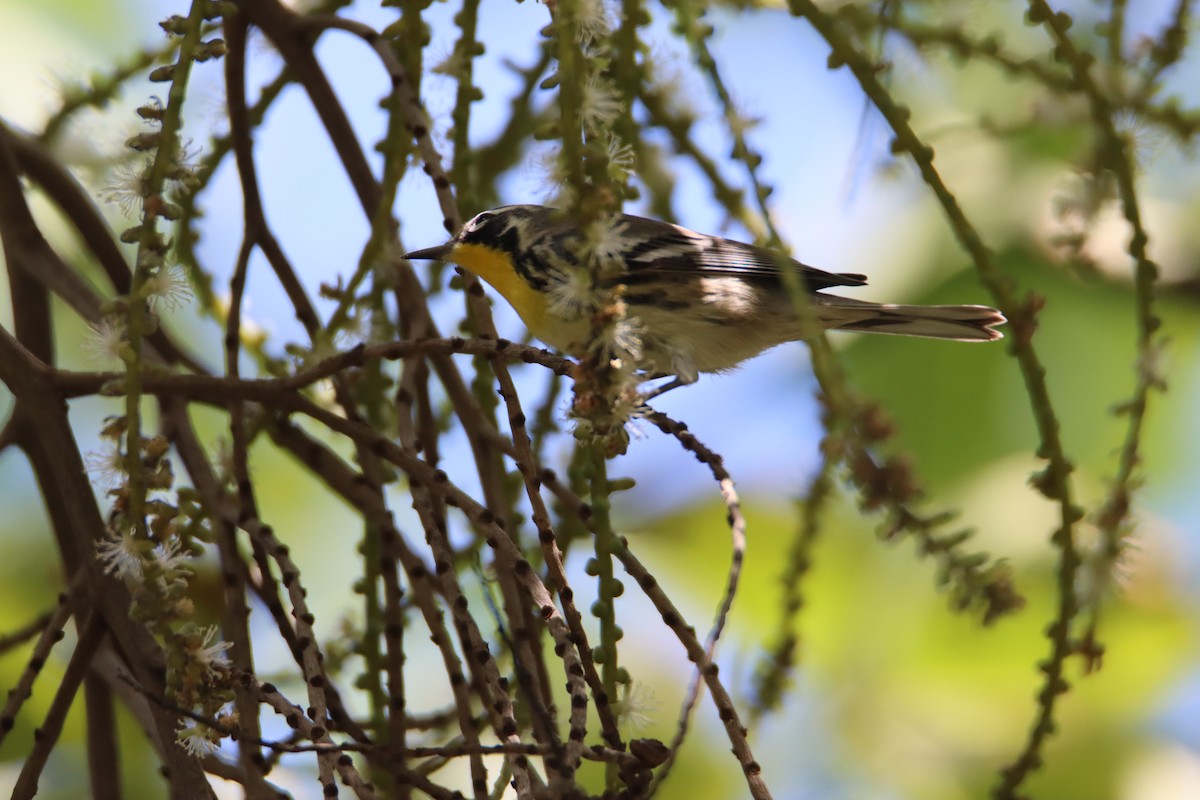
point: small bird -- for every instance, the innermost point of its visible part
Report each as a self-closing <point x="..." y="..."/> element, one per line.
<point x="697" y="303"/>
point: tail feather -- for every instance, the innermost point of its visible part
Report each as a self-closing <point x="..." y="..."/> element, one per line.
<point x="960" y="323"/>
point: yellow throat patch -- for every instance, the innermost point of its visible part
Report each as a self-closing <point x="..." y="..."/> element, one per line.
<point x="496" y="267"/>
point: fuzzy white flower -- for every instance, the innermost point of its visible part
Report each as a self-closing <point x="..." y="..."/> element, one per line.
<point x="126" y="187"/>
<point x="106" y="466"/>
<point x="358" y="330"/>
<point x="452" y="64"/>
<point x="592" y="18"/>
<point x="169" y="560"/>
<point x="637" y="707"/>
<point x="1144" y="142"/>
<point x="599" y="104"/>
<point x="195" y="738"/>
<point x="119" y="554"/>
<point x="212" y="655"/>
<point x="605" y="243"/>
<point x="622" y="341"/>
<point x="169" y="288"/>
<point x="105" y="339"/>
<point x="548" y="170"/>
<point x="571" y="293"/>
<point x="621" y="157"/>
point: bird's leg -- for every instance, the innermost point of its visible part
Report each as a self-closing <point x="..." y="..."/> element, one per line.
<point x="666" y="387"/>
<point x="682" y="368"/>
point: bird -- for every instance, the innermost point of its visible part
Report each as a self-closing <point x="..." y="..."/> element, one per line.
<point x="697" y="303"/>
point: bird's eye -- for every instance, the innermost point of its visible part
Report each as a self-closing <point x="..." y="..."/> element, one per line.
<point x="478" y="221"/>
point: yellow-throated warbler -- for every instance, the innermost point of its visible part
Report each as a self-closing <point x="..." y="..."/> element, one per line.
<point x="697" y="303"/>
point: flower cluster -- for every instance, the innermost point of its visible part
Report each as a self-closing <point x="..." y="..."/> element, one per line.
<point x="154" y="531"/>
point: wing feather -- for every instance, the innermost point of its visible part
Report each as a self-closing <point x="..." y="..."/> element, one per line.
<point x="665" y="248"/>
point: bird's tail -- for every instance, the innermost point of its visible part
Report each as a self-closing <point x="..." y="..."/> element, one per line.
<point x="961" y="323"/>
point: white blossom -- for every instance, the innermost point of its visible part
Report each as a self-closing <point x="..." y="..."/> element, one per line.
<point x="106" y="466"/>
<point x="571" y="293"/>
<point x="105" y="339"/>
<point x="599" y="104"/>
<point x="169" y="562"/>
<point x="127" y="186"/>
<point x="606" y="244"/>
<point x="592" y="18"/>
<point x="169" y="288"/>
<point x="620" y="155"/>
<point x="119" y="554"/>
<point x="637" y="707"/>
<point x="195" y="739"/>
<point x="212" y="655"/>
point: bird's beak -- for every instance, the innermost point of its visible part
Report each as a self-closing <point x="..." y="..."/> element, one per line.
<point x="438" y="253"/>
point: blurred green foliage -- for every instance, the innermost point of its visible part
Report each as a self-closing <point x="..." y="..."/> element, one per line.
<point x="903" y="695"/>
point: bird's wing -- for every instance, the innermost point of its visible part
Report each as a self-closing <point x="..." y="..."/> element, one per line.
<point x="658" y="247"/>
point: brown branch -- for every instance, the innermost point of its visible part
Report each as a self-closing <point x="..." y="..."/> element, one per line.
<point x="50" y="631"/>
<point x="102" y="738"/>
<point x="47" y="735"/>
<point x="698" y="655"/>
<point x="737" y="531"/>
